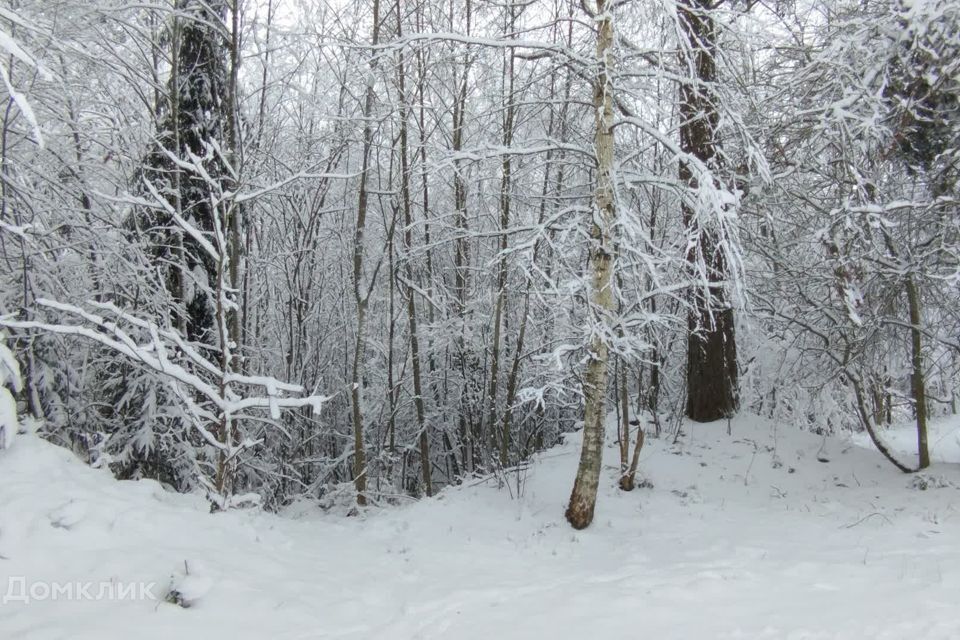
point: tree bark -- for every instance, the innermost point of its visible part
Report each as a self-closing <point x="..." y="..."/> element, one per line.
<point x="919" y="386"/>
<point x="506" y="185"/>
<point x="584" y="495"/>
<point x="461" y="248"/>
<point x="423" y="437"/>
<point x="711" y="344"/>
<point x="360" y="298"/>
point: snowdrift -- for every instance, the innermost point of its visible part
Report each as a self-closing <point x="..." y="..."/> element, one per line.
<point x="768" y="533"/>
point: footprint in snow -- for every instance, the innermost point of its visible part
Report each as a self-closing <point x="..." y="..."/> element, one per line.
<point x="68" y="516"/>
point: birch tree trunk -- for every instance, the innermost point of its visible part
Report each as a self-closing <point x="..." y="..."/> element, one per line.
<point x="584" y="496"/>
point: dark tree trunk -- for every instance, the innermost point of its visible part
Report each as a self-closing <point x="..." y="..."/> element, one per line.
<point x="711" y="344"/>
<point x="918" y="384"/>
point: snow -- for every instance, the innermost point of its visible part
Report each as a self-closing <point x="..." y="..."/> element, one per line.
<point x="9" y="376"/>
<point x="943" y="437"/>
<point x="9" y="425"/>
<point x="742" y="536"/>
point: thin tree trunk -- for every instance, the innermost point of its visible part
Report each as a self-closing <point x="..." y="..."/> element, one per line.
<point x="461" y="246"/>
<point x="584" y="495"/>
<point x="513" y="377"/>
<point x="919" y="386"/>
<point x="506" y="184"/>
<point x="175" y="277"/>
<point x="867" y="420"/>
<point x="234" y="212"/>
<point x="392" y="387"/>
<point x="423" y="438"/>
<point x="425" y="187"/>
<point x="628" y="464"/>
<point x="360" y="297"/>
<point x="623" y="413"/>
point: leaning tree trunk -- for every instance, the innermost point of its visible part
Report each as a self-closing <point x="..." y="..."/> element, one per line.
<point x="584" y="496"/>
<point x="711" y="346"/>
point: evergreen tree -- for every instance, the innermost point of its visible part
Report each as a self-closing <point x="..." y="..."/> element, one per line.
<point x="187" y="164"/>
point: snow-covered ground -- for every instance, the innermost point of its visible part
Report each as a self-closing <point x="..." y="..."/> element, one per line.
<point x="768" y="533"/>
<point x="943" y="437"/>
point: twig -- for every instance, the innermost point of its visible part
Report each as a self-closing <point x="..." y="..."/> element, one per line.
<point x="866" y="517"/>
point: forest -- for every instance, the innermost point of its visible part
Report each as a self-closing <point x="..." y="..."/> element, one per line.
<point x="371" y="305"/>
<point x="282" y="248"/>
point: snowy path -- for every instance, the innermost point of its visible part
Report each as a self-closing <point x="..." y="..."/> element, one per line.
<point x="728" y="544"/>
